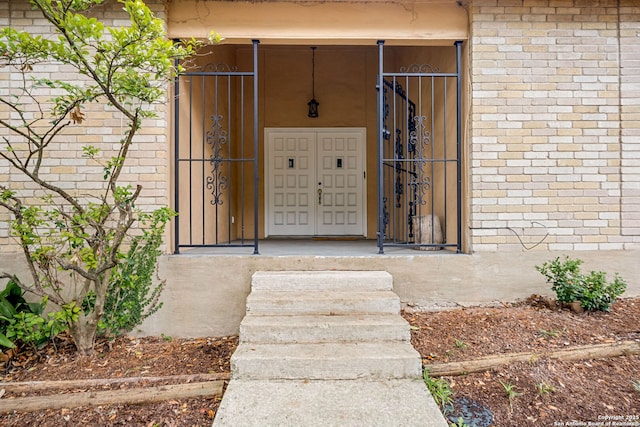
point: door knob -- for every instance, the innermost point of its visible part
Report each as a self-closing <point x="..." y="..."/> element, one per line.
<point x="320" y="196"/>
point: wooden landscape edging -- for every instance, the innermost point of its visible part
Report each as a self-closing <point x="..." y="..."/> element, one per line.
<point x="31" y="386"/>
<point x="594" y="351"/>
<point x="126" y="396"/>
<point x="212" y="384"/>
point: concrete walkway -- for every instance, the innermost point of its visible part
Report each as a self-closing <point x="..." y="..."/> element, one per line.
<point x="325" y="348"/>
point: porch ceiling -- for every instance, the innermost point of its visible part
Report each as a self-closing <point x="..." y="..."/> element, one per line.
<point x="427" y="22"/>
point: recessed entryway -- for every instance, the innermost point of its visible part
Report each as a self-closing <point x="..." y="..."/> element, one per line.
<point x="315" y="182"/>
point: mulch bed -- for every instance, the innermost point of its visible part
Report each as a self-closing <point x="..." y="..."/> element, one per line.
<point x="544" y="392"/>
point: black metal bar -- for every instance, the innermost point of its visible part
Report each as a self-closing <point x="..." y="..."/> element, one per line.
<point x="394" y="125"/>
<point x="202" y="171"/>
<point x="419" y="74"/>
<point x="255" y="146"/>
<point x="190" y="155"/>
<point x="420" y="245"/>
<point x="215" y="113"/>
<point x="218" y="73"/>
<point x="445" y="172"/>
<point x="176" y="166"/>
<point x="207" y="160"/>
<point x="380" y="232"/>
<point x="218" y="245"/>
<point x="458" y="45"/>
<point x="409" y="155"/>
<point x="242" y="139"/>
<point x="229" y="154"/>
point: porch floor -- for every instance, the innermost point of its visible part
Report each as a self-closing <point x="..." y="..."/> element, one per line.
<point x="313" y="247"/>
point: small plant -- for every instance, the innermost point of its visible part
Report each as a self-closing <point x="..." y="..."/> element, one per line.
<point x="439" y="388"/>
<point x="552" y="333"/>
<point x="510" y="390"/>
<point x="459" y="423"/>
<point x="544" y="388"/>
<point x="636" y="385"/>
<point x="461" y="344"/>
<point x="592" y="291"/>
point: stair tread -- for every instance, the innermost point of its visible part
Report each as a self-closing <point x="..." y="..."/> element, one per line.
<point x="279" y="328"/>
<point x="327" y="351"/>
<point x="321" y="279"/>
<point x="320" y="319"/>
<point x="314" y="295"/>
<point x="345" y="361"/>
<point x="322" y="302"/>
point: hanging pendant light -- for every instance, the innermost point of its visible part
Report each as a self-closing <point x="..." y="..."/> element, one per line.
<point x="313" y="104"/>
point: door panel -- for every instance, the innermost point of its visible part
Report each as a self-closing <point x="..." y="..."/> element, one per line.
<point x="341" y="179"/>
<point x="315" y="182"/>
<point x="291" y="164"/>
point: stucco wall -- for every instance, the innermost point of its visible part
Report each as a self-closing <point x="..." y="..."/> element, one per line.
<point x="336" y="22"/>
<point x="206" y="295"/>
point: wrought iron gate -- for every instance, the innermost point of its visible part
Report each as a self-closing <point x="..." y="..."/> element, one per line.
<point x="419" y="156"/>
<point x="216" y="156"/>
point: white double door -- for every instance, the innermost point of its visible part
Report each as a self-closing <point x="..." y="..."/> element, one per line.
<point x="315" y="182"/>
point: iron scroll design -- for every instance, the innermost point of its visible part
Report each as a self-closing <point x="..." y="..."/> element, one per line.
<point x="420" y="68"/>
<point x="219" y="68"/>
<point x="217" y="181"/>
<point x="419" y="139"/>
<point x="190" y="66"/>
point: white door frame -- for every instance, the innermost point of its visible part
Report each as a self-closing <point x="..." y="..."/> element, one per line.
<point x="317" y="131"/>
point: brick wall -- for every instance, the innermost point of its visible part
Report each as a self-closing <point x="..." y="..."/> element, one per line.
<point x="630" y="115"/>
<point x="550" y="145"/>
<point x="148" y="163"/>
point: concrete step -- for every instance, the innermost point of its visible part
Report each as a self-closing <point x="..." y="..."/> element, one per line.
<point x="395" y="403"/>
<point x="322" y="302"/>
<point x="333" y="361"/>
<point x="314" y="328"/>
<point x="322" y="280"/>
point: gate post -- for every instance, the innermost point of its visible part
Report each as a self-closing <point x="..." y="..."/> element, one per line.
<point x="380" y="232"/>
<point x="458" y="45"/>
<point x="176" y="166"/>
<point x="256" y="181"/>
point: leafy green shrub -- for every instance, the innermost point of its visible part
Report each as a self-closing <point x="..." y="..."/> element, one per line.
<point x="592" y="290"/>
<point x="132" y="296"/>
<point x="35" y="329"/>
<point x="22" y="322"/>
<point x="13" y="306"/>
<point x="564" y="277"/>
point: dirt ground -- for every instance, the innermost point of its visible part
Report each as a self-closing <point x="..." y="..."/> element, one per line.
<point x="541" y="392"/>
